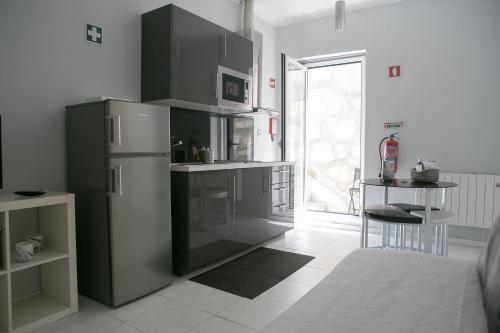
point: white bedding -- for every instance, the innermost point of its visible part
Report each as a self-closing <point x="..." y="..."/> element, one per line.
<point x="389" y="291"/>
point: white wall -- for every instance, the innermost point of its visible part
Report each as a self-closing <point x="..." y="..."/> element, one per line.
<point x="47" y="64"/>
<point x="271" y="67"/>
<point x="449" y="92"/>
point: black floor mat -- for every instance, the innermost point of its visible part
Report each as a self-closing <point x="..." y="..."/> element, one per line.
<point x="254" y="273"/>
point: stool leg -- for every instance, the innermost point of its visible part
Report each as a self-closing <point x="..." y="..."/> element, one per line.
<point x="446" y="240"/>
<point x="419" y="230"/>
<point x="366" y="233"/>
<point x="388" y="235"/>
<point x="412" y="245"/>
<point x="397" y="236"/>
<point x="384" y="234"/>
<point x="403" y="237"/>
<point x="437" y="240"/>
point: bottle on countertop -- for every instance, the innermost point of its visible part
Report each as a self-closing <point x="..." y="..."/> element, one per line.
<point x="202" y="153"/>
<point x="193" y="152"/>
<point x="420" y="165"/>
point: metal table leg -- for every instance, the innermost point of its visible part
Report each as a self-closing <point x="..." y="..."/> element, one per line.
<point x="363" y="217"/>
<point x="428" y="222"/>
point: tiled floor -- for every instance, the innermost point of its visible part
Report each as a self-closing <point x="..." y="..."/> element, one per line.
<point x="186" y="306"/>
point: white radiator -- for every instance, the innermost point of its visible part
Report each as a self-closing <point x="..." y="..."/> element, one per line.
<point x="476" y="200"/>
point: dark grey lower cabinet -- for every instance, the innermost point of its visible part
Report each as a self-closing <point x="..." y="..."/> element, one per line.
<point x="256" y="218"/>
<point x="216" y="214"/>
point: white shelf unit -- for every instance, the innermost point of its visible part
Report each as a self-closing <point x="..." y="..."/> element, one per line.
<point x="54" y="267"/>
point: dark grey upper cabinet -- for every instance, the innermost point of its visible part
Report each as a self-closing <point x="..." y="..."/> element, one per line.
<point x="235" y="52"/>
<point x="181" y="53"/>
<point x="195" y="45"/>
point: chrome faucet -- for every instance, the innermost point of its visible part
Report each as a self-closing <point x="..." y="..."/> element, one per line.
<point x="173" y="142"/>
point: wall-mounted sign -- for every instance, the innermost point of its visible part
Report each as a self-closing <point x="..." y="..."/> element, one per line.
<point x="94" y="34"/>
<point x="393" y="125"/>
<point x="394" y="71"/>
<point x="272" y="83"/>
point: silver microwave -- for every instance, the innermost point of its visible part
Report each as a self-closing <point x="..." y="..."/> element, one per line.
<point x="234" y="89"/>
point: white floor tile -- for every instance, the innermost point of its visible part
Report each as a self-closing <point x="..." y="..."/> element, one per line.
<point x="338" y="250"/>
<point x="308" y="275"/>
<point x="285" y="292"/>
<point x="200" y="297"/>
<point x="255" y="314"/>
<point x="136" y="308"/>
<point x="325" y="262"/>
<point x="220" y="325"/>
<point x="81" y="322"/>
<point x="122" y="328"/>
<point x="171" y="317"/>
<point x="300" y="244"/>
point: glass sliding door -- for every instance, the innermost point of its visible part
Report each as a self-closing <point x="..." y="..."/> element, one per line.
<point x="294" y="121"/>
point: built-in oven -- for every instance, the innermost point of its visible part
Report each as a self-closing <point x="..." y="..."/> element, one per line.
<point x="234" y="89"/>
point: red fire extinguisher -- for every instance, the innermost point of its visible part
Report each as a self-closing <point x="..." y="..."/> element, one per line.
<point x="391" y="152"/>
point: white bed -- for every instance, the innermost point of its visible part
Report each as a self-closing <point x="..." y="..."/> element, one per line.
<point x="389" y="291"/>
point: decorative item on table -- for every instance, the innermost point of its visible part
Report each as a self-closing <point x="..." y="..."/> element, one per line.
<point x="209" y="157"/>
<point x="37" y="241"/>
<point x="389" y="161"/>
<point x="24" y="251"/>
<point x="425" y="172"/>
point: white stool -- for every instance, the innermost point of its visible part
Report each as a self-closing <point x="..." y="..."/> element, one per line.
<point x="441" y="219"/>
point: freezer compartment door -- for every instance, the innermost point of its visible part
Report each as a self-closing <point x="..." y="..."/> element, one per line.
<point x="137" y="128"/>
<point x="141" y="244"/>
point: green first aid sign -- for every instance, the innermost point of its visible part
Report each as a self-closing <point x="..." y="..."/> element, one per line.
<point x="94" y="34"/>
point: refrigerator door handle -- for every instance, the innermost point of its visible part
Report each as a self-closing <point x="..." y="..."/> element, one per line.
<point x="115" y="180"/>
<point x="114" y="130"/>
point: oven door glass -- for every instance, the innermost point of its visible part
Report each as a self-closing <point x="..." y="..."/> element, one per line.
<point x="233" y="88"/>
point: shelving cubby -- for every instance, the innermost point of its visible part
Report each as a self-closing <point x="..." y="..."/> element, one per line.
<point x="44" y="289"/>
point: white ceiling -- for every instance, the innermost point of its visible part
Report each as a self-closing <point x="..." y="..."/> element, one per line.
<point x="284" y="12"/>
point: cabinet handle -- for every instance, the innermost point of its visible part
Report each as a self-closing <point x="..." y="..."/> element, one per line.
<point x="280" y="188"/>
<point x="115" y="180"/>
<point x="213" y="85"/>
<point x="225" y="46"/>
<point x="280" y="171"/>
<point x="114" y="130"/>
<point x="498" y="184"/>
<point x="265" y="183"/>
<point x="281" y="205"/>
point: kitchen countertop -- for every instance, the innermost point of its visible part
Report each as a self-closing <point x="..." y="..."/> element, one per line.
<point x="225" y="165"/>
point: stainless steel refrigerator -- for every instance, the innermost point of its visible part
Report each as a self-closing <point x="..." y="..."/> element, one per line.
<point x="118" y="166"/>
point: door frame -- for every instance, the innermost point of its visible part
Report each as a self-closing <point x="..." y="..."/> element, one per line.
<point x="322" y="61"/>
<point x="285" y="60"/>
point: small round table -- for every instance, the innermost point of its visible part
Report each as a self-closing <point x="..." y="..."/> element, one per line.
<point x="404" y="183"/>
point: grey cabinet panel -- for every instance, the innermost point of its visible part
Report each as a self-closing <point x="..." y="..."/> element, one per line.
<point x="141" y="261"/>
<point x="195" y="46"/>
<point x="211" y="217"/>
<point x="256" y="219"/>
<point x="217" y="214"/>
<point x="181" y="53"/>
<point x="236" y="52"/>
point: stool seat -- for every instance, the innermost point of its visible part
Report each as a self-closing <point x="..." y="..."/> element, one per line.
<point x="391" y="214"/>
<point x="411" y="208"/>
<point x="437" y="217"/>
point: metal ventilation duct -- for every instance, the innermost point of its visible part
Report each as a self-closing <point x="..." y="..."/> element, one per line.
<point x="248" y="18"/>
